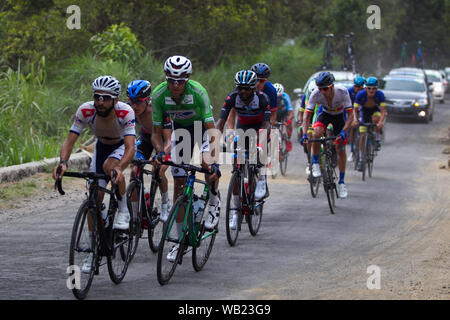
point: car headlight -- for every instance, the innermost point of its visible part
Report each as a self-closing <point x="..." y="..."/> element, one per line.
<point x="421" y="102"/>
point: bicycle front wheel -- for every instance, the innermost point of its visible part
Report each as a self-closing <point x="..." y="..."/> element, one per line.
<point x="255" y="217"/>
<point x="83" y="252"/>
<point x="283" y="155"/>
<point x="330" y="185"/>
<point x="119" y="256"/>
<point x="233" y="233"/>
<point x="136" y="208"/>
<point x="156" y="225"/>
<point x="171" y="245"/>
<point x="205" y="243"/>
<point x="370" y="157"/>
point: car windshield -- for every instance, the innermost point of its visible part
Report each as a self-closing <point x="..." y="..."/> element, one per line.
<point x="343" y="76"/>
<point x="433" y="78"/>
<point x="407" y="73"/>
<point x="404" y="85"/>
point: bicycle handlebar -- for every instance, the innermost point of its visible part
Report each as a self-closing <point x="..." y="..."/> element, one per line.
<point x="87" y="175"/>
<point x="323" y="139"/>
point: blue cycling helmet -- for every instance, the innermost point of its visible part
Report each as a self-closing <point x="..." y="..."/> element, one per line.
<point x="262" y="70"/>
<point x="324" y="79"/>
<point x="245" y="78"/>
<point x="372" y="82"/>
<point x="139" y="89"/>
<point x="359" y="81"/>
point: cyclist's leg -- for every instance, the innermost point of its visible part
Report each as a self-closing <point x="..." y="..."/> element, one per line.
<point x="338" y="124"/>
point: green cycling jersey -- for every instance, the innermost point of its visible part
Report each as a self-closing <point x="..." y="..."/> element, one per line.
<point x="194" y="106"/>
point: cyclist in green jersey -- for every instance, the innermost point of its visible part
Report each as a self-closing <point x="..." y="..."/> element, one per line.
<point x="187" y="103"/>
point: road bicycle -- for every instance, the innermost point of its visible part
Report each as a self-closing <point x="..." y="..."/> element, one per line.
<point x="93" y="236"/>
<point x="192" y="234"/>
<point x="328" y="53"/>
<point x="243" y="182"/>
<point x="314" y="182"/>
<point x="349" y="56"/>
<point x="328" y="166"/>
<point x="282" y="146"/>
<point x="145" y="208"/>
<point x="369" y="149"/>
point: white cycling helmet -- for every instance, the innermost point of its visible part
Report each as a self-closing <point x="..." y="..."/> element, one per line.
<point x="107" y="84"/>
<point x="178" y="66"/>
<point x="280" y="89"/>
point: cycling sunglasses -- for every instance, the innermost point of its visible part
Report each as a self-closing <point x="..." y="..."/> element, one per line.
<point x="371" y="88"/>
<point x="137" y="100"/>
<point x="245" y="88"/>
<point x="325" y="88"/>
<point x="103" y="97"/>
<point x="176" y="81"/>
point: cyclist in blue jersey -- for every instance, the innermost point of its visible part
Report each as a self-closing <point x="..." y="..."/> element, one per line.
<point x="358" y="85"/>
<point x="371" y="105"/>
<point x="138" y="92"/>
<point x="285" y="111"/>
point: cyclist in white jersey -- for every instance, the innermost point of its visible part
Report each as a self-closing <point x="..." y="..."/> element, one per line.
<point x="333" y="101"/>
<point x="115" y="132"/>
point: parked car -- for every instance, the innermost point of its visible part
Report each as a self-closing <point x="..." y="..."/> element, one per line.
<point x="447" y="71"/>
<point x="435" y="77"/>
<point x="408" y="96"/>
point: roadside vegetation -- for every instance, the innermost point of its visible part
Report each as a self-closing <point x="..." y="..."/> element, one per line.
<point x="46" y="68"/>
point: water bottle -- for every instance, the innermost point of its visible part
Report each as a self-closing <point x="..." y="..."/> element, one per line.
<point x="104" y="212"/>
<point x="246" y="185"/>
<point x="198" y="207"/>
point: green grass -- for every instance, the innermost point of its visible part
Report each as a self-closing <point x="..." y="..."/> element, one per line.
<point x="37" y="106"/>
<point x="21" y="189"/>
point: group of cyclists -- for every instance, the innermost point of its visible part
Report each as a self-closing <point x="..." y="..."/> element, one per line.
<point x="325" y="103"/>
<point x="182" y="103"/>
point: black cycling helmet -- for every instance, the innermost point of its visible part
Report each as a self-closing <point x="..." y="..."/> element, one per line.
<point x="262" y="70"/>
<point x="324" y="79"/>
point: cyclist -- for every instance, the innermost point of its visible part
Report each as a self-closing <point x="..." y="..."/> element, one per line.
<point x="138" y="92"/>
<point x="253" y="110"/>
<point x="262" y="71"/>
<point x="115" y="132"/>
<point x="310" y="87"/>
<point x="334" y="101"/>
<point x="187" y="103"/>
<point x="358" y="85"/>
<point x="285" y="111"/>
<point x="371" y="104"/>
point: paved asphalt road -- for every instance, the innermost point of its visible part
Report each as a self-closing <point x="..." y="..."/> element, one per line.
<point x="301" y="251"/>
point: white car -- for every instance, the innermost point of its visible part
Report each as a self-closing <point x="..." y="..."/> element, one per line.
<point x="436" y="80"/>
<point x="444" y="77"/>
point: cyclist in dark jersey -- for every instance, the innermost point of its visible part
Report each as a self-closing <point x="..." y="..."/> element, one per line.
<point x="253" y="113"/>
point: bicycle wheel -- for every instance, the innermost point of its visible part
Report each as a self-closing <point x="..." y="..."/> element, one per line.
<point x="330" y="185"/>
<point x="314" y="183"/>
<point x="283" y="155"/>
<point x="136" y="208"/>
<point x="205" y="243"/>
<point x="156" y="226"/>
<point x="83" y="249"/>
<point x="370" y="156"/>
<point x="166" y="267"/>
<point x="356" y="149"/>
<point x="255" y="216"/>
<point x="232" y="234"/>
<point x="119" y="256"/>
<point x="364" y="157"/>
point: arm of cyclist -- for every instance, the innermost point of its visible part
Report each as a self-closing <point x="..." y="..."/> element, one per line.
<point x="355" y="115"/>
<point x="65" y="153"/>
<point x="128" y="155"/>
<point x="383" y="115"/>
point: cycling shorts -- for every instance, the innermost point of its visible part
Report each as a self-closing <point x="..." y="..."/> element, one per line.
<point x="178" y="146"/>
<point x="324" y="119"/>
